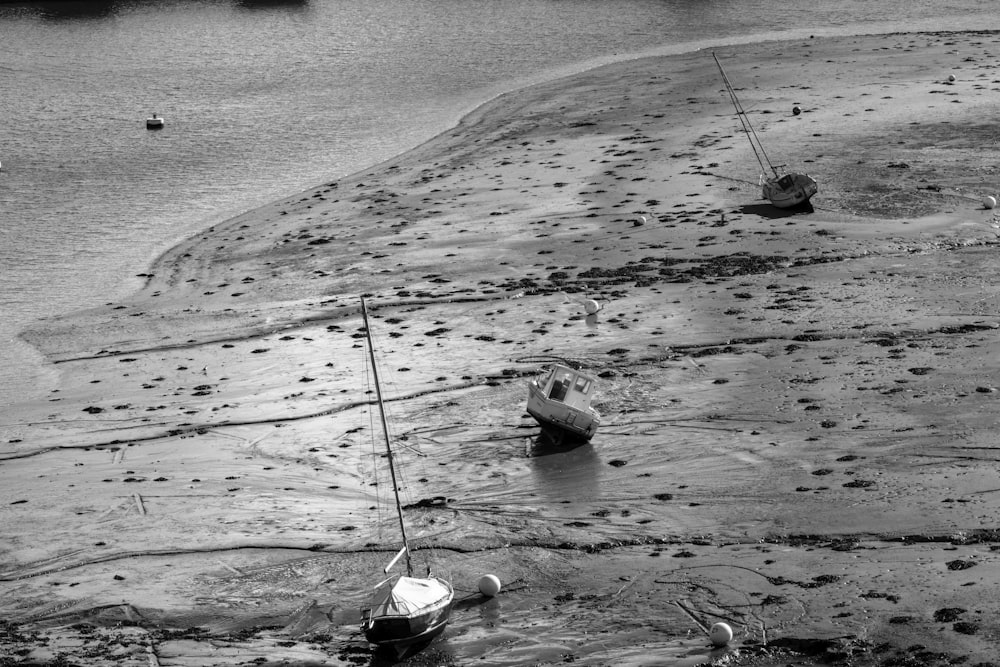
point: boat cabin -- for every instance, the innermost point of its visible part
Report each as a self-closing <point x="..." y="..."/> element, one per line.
<point x="569" y="387"/>
<point x="560" y="402"/>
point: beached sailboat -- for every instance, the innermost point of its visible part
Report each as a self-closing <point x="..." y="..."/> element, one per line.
<point x="405" y="611"/>
<point x="783" y="189"/>
<point x="560" y="402"/>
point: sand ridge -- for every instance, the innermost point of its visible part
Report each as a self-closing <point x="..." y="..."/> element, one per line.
<point x="797" y="435"/>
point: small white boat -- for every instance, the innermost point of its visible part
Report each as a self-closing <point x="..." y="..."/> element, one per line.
<point x="788" y="190"/>
<point x="405" y="611"/>
<point x="560" y="402"/>
<point x="154" y="123"/>
<point x="783" y="190"/>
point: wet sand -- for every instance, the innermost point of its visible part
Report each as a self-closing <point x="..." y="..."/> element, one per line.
<point x="798" y="433"/>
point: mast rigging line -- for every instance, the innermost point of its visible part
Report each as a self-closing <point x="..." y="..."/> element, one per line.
<point x="388" y="446"/>
<point x="755" y="143"/>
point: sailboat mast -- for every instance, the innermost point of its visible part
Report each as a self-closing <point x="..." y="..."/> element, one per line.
<point x="755" y="144"/>
<point x="385" y="431"/>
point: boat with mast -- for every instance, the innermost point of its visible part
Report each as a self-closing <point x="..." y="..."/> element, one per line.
<point x="406" y="611"/>
<point x="783" y="189"/>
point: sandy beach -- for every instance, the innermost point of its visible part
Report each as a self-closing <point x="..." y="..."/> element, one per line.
<point x="797" y="432"/>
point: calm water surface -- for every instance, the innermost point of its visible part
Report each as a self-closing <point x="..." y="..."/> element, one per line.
<point x="265" y="98"/>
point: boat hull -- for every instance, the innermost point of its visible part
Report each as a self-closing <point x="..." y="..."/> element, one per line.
<point x="399" y="634"/>
<point x="560" y="421"/>
<point x="397" y="624"/>
<point x="789" y="190"/>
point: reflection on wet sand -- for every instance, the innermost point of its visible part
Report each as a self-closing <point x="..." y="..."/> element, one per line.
<point x="565" y="474"/>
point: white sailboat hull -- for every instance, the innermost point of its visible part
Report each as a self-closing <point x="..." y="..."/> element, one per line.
<point x="407" y="612"/>
<point x="789" y="190"/>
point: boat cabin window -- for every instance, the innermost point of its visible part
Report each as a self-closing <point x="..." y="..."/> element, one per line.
<point x="560" y="386"/>
<point x="582" y="385"/>
<point x="786" y="181"/>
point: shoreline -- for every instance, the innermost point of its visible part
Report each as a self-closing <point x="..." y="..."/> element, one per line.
<point x="774" y="384"/>
<point x="468" y="119"/>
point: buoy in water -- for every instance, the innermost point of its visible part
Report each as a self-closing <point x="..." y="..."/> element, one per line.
<point x="989" y="202"/>
<point x="796" y="111"/>
<point x="591" y="306"/>
<point x="951" y="77"/>
<point x="720" y="634"/>
<point x="489" y="585"/>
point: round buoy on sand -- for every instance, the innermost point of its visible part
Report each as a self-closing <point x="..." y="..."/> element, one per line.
<point x="489" y="585"/>
<point x="591" y="306"/>
<point x="951" y="77"/>
<point x="796" y="111"/>
<point x="989" y="202"/>
<point x="720" y="634"/>
<point x="640" y="222"/>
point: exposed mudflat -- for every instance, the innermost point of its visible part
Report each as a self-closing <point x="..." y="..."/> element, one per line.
<point x="799" y="406"/>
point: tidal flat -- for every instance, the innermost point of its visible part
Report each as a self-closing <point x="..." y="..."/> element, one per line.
<point x="798" y="406"/>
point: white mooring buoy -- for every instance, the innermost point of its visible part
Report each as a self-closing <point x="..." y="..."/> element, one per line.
<point x="489" y="585"/>
<point x="720" y="634"/>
